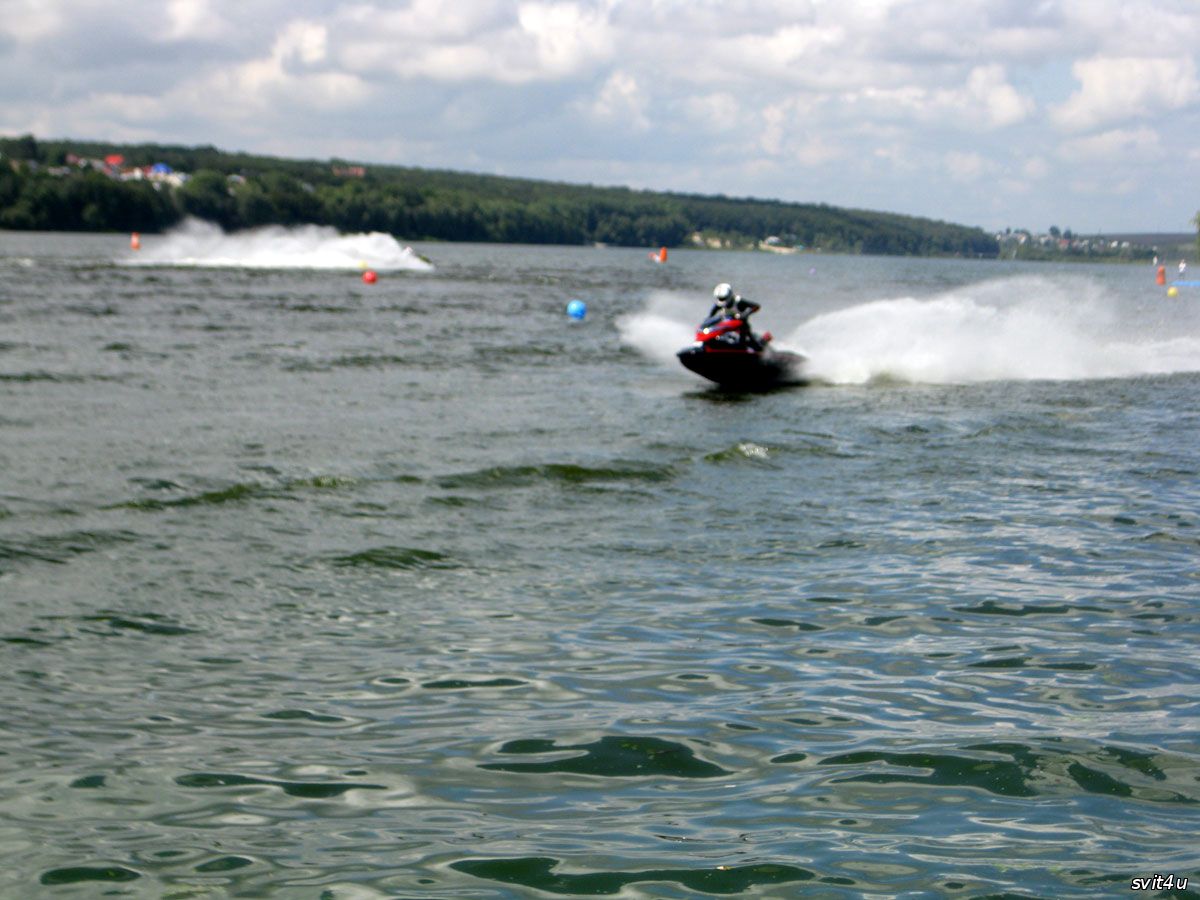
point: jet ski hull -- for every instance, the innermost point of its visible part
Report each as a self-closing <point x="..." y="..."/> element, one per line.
<point x="742" y="369"/>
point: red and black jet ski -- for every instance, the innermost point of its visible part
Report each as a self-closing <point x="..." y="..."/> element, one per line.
<point x="728" y="353"/>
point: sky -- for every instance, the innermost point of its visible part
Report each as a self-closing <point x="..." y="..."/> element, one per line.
<point x="1080" y="114"/>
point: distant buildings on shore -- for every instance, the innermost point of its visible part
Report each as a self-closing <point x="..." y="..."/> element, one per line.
<point x="113" y="166"/>
<point x="1063" y="242"/>
<point x="1054" y="243"/>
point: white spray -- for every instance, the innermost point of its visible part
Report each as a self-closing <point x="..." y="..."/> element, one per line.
<point x="198" y="243"/>
<point x="1011" y="329"/>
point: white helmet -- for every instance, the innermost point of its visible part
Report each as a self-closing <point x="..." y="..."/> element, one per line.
<point x="723" y="293"/>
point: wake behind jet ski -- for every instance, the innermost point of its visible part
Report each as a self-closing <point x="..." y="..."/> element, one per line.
<point x="728" y="353"/>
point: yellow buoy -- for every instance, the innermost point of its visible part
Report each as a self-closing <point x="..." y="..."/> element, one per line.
<point x="1172" y="291"/>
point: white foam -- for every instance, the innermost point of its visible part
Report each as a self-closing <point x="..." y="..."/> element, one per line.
<point x="199" y="243"/>
<point x="667" y="324"/>
<point x="1018" y="329"/>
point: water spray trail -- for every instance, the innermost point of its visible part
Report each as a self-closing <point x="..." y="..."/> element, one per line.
<point x="667" y="324"/>
<point x="197" y="243"/>
<point x="1014" y="329"/>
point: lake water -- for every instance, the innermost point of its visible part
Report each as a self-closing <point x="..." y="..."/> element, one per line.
<point x="422" y="589"/>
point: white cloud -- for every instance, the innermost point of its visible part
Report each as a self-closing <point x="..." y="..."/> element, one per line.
<point x="621" y="101"/>
<point x="301" y="41"/>
<point x="1124" y="28"/>
<point x="1001" y="104"/>
<point x="783" y="50"/>
<point x="965" y="167"/>
<point x="294" y="75"/>
<point x="26" y="21"/>
<point x="434" y="21"/>
<point x="774" y="122"/>
<point x="483" y="41"/>
<point x="1116" y="89"/>
<point x="1118" y="145"/>
<point x="786" y="131"/>
<point x="1013" y="186"/>
<point x="718" y="112"/>
<point x="566" y="37"/>
<point x="985" y="100"/>
<point x="1121" y="187"/>
<point x="816" y="150"/>
<point x="193" y="20"/>
<point x="1035" y="169"/>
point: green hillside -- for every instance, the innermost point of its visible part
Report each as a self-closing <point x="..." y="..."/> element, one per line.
<point x="65" y="185"/>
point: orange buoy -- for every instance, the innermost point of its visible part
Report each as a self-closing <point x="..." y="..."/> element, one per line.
<point x="1160" y="277"/>
<point x="369" y="276"/>
<point x="135" y="241"/>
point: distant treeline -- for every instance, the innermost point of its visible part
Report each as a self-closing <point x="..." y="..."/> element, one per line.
<point x="38" y="190"/>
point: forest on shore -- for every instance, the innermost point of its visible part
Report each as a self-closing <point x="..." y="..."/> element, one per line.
<point x="67" y="185"/>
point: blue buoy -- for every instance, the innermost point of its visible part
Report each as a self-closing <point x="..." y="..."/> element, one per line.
<point x="576" y="309"/>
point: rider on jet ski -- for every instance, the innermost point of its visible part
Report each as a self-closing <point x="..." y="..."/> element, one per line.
<point x="732" y="306"/>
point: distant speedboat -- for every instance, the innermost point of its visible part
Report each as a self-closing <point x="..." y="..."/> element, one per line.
<point x="725" y="355"/>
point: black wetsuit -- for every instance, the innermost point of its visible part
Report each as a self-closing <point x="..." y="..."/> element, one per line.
<point x="740" y="309"/>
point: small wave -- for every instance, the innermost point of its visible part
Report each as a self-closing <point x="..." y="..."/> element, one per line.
<point x="395" y="558"/>
<point x="25" y="641"/>
<point x="145" y="623"/>
<point x="57" y="377"/>
<point x="1029" y="662"/>
<point x="523" y="476"/>
<point x="287" y="715"/>
<point x="743" y="450"/>
<point x="790" y="624"/>
<point x="201" y="244"/>
<point x="611" y="756"/>
<point x="236" y="493"/>
<point x="351" y="361"/>
<point x="81" y="874"/>
<point x="231" y="494"/>
<point x="324" y="308"/>
<point x="61" y="548"/>
<point x="1022" y="770"/>
<point x="312" y="790"/>
<point x="538" y="874"/>
<point x="993" y="608"/>
<point x="224" y="864"/>
<point x="467" y="684"/>
<point x="323" y="482"/>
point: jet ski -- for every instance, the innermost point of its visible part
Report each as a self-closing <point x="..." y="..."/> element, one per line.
<point x="725" y="352"/>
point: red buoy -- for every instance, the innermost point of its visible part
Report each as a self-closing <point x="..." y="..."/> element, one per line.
<point x="369" y="276"/>
<point x="135" y="241"/>
<point x="1160" y="277"/>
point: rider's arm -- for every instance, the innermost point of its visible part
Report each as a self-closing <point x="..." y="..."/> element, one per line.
<point x="747" y="307"/>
